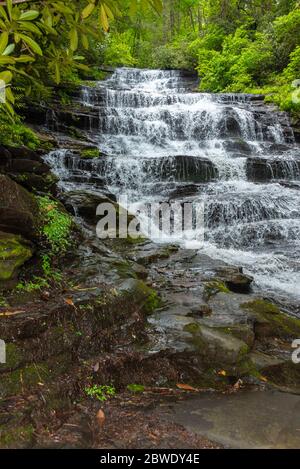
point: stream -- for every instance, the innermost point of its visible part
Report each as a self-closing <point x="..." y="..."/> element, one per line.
<point x="164" y="142"/>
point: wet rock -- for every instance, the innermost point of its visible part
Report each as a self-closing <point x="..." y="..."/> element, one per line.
<point x="269" y="321"/>
<point x="18" y="209"/>
<point x="230" y="127"/>
<point x="14" y="252"/>
<point x="184" y="191"/>
<point x="200" y="311"/>
<point x="29" y="166"/>
<point x="262" y="170"/>
<point x="237" y="146"/>
<point x="217" y="347"/>
<point x="25" y="153"/>
<point x="85" y="204"/>
<point x="36" y="183"/>
<point x="235" y="279"/>
<point x="190" y="169"/>
<point x="5" y="159"/>
<point x="150" y="253"/>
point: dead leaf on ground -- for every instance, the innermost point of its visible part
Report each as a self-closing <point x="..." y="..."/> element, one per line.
<point x="222" y="373"/>
<point x="100" y="417"/>
<point x="96" y="367"/>
<point x="12" y="313"/>
<point x="69" y="302"/>
<point x="186" y="387"/>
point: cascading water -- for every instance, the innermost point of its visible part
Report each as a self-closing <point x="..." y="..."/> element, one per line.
<point x="165" y="142"/>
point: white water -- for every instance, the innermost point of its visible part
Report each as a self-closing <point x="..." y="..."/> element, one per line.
<point x="148" y="118"/>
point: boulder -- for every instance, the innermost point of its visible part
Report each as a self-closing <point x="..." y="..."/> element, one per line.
<point x="235" y="279"/>
<point x="229" y="126"/>
<point x="182" y="168"/>
<point x="262" y="170"/>
<point x="29" y="166"/>
<point x="24" y="153"/>
<point x="237" y="146"/>
<point x="14" y="252"/>
<point x="5" y="159"/>
<point x="36" y="183"/>
<point x="85" y="204"/>
<point x="18" y="209"/>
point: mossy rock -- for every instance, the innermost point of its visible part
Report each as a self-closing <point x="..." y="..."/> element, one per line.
<point x="19" y="212"/>
<point x="14" y="252"/>
<point x="90" y="153"/>
<point x="213" y="287"/>
<point x="145" y="296"/>
<point x="270" y="321"/>
<point x="16" y="436"/>
<point x="14" y="358"/>
<point x="219" y="349"/>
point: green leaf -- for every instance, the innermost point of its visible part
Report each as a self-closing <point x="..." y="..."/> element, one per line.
<point x="30" y="27"/>
<point x="85" y="41"/>
<point x="25" y="59"/>
<point x="57" y="73"/>
<point x="3" y="41"/>
<point x="9" y="49"/>
<point x="103" y="19"/>
<point x="32" y="44"/>
<point x="73" y="39"/>
<point x="88" y="10"/>
<point x="29" y="15"/>
<point x="6" y="76"/>
<point x="6" y="60"/>
<point x="9" y="95"/>
<point x="9" y="5"/>
<point x="3" y="13"/>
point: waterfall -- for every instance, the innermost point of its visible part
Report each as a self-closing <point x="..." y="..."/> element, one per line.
<point x="243" y="162"/>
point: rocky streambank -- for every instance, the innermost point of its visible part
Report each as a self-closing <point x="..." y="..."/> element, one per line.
<point x="103" y="336"/>
<point x="124" y="312"/>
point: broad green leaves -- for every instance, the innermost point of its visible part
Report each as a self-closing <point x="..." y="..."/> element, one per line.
<point x="54" y="30"/>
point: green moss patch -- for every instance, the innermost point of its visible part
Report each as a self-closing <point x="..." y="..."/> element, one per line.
<point x="14" y="252"/>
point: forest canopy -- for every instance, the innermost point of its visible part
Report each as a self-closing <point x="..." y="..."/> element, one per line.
<point x="235" y="45"/>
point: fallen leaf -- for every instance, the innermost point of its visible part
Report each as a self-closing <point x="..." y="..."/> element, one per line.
<point x="237" y="385"/>
<point x="263" y="378"/>
<point x="96" y="367"/>
<point x="100" y="417"/>
<point x="222" y="373"/>
<point x="186" y="387"/>
<point x="69" y="301"/>
<point x="11" y="313"/>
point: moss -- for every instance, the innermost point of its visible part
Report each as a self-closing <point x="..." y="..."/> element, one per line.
<point x="18" y="381"/>
<point x="18" y="436"/>
<point x="56" y="224"/>
<point x="143" y="295"/>
<point x="90" y="153"/>
<point x="280" y="325"/>
<point x="136" y="388"/>
<point x="14" y="358"/>
<point x="14" y="252"/>
<point x="214" y="287"/>
<point x="262" y="307"/>
<point x="192" y="328"/>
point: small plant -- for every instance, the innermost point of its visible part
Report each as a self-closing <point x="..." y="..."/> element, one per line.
<point x="56" y="225"/>
<point x="90" y="153"/>
<point x="101" y="393"/>
<point x="136" y="388"/>
<point x="38" y="283"/>
<point x="3" y="302"/>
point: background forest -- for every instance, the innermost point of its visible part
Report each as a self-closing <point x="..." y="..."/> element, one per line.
<point x="235" y="45"/>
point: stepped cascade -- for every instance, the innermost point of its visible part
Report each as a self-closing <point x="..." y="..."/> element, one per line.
<point x="163" y="142"/>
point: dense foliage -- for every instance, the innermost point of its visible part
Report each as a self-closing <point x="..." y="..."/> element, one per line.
<point x="236" y="45"/>
<point x="42" y="43"/>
